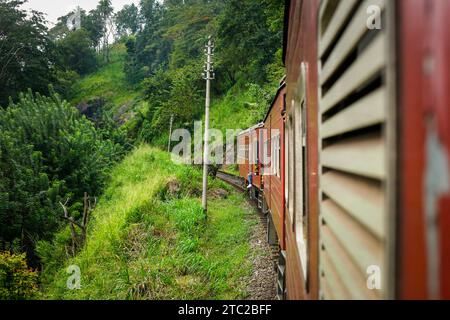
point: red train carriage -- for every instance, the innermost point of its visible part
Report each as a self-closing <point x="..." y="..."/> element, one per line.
<point x="341" y="107"/>
<point x="361" y="206"/>
<point x="424" y="135"/>
<point x="273" y="155"/>
<point x="369" y="109"/>
<point x="249" y="156"/>
<point x="273" y="149"/>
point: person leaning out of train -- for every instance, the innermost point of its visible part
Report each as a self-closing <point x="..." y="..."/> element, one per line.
<point x="250" y="180"/>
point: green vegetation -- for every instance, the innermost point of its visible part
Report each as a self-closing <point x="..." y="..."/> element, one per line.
<point x="48" y="153"/>
<point x="17" y="281"/>
<point x="166" y="57"/>
<point x="149" y="238"/>
<point x="107" y="83"/>
<point x="27" y="55"/>
<point x="241" y="109"/>
<point x="77" y="53"/>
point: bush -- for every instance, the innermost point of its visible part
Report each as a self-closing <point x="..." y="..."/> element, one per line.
<point x="77" y="53"/>
<point x="48" y="153"/>
<point x="17" y="281"/>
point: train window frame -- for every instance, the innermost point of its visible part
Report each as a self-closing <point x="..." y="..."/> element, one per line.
<point x="301" y="221"/>
<point x="289" y="184"/>
<point x="252" y="150"/>
<point x="287" y="180"/>
<point x="266" y="155"/>
<point x="246" y="148"/>
<point x="278" y="152"/>
<point x="255" y="152"/>
<point x="276" y="155"/>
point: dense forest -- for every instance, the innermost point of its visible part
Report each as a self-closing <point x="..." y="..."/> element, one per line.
<point x="76" y="99"/>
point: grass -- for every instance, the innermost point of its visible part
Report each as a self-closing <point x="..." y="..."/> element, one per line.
<point x="242" y="108"/>
<point x="231" y="169"/>
<point x="149" y="239"/>
<point x="109" y="84"/>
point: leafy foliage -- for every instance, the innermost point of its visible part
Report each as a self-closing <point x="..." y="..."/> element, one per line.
<point x="77" y="53"/>
<point x="247" y="39"/>
<point x="148" y="242"/>
<point x="148" y="51"/>
<point x="17" y="281"/>
<point x="168" y="54"/>
<point x="26" y="53"/>
<point x="127" y="20"/>
<point x="48" y="153"/>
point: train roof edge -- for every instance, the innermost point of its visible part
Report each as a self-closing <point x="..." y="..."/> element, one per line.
<point x="258" y="126"/>
<point x="287" y="10"/>
<point x="282" y="86"/>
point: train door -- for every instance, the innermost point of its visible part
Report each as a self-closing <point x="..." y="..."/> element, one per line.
<point x="357" y="110"/>
<point x="243" y="155"/>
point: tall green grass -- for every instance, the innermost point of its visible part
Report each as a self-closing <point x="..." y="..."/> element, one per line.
<point x="150" y="240"/>
<point x="241" y="108"/>
<point x="108" y="83"/>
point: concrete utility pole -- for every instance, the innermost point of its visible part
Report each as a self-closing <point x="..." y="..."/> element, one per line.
<point x="208" y="75"/>
<point x="170" y="133"/>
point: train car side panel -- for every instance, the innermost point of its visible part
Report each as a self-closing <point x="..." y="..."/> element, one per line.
<point x="425" y="145"/>
<point x="273" y="175"/>
<point x="255" y="163"/>
<point x="301" y="221"/>
<point x="357" y="154"/>
<point x="243" y="157"/>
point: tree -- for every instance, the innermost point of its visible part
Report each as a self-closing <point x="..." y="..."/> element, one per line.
<point x="27" y="55"/>
<point x="77" y="52"/>
<point x="149" y="50"/>
<point x="94" y="25"/>
<point x="48" y="153"/>
<point x="247" y="39"/>
<point x="133" y="69"/>
<point x="127" y="20"/>
<point x="105" y="11"/>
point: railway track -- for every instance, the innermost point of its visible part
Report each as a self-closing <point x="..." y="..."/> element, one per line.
<point x="231" y="179"/>
<point x="239" y="184"/>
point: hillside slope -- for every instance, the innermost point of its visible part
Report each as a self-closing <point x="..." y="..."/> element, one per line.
<point x="148" y="238"/>
<point x="108" y="88"/>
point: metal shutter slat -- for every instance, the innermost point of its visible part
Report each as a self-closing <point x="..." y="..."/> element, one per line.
<point x="334" y="286"/>
<point x="363" y="247"/>
<point x="336" y="22"/>
<point x="359" y="197"/>
<point x="354" y="280"/>
<point x="362" y="155"/>
<point x="349" y="39"/>
<point x="372" y="60"/>
<point x="364" y="113"/>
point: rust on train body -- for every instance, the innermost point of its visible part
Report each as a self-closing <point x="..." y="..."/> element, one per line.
<point x="424" y="85"/>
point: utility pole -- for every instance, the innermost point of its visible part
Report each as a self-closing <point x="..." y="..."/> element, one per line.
<point x="208" y="75"/>
<point x="170" y="133"/>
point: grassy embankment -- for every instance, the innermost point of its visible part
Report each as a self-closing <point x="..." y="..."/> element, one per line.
<point x="108" y="83"/>
<point x="148" y="238"/>
<point x="145" y="241"/>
